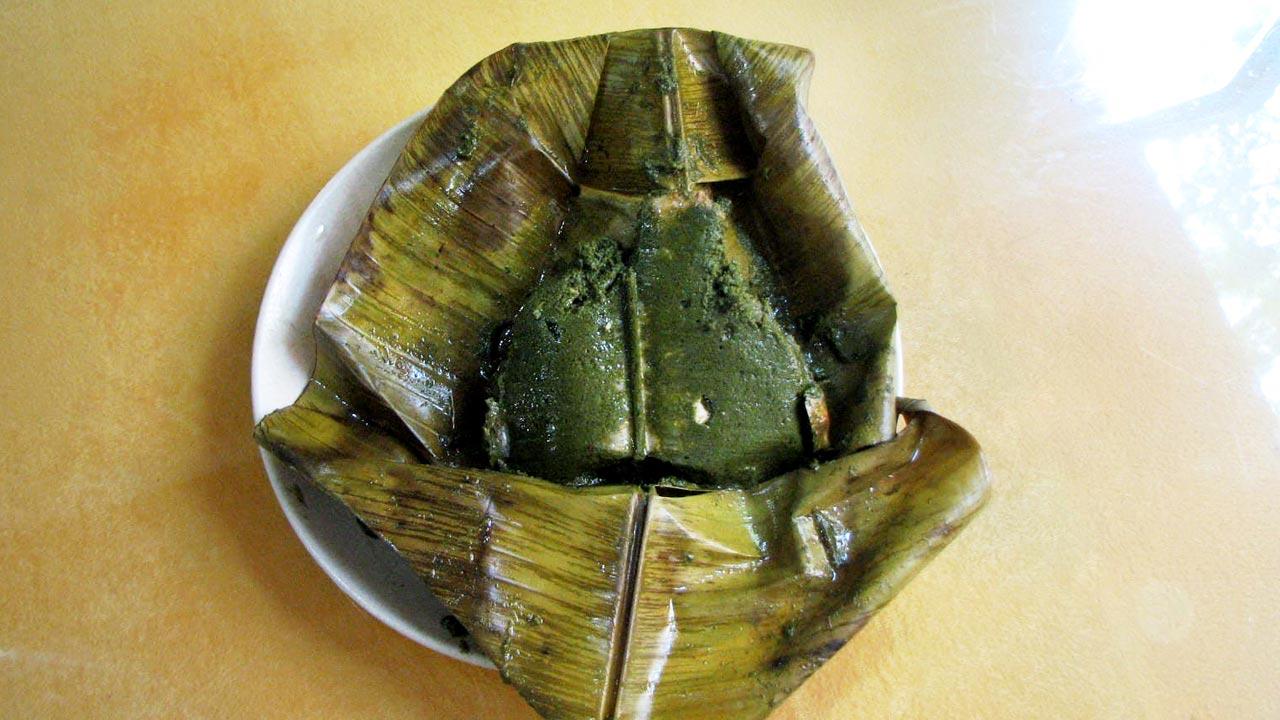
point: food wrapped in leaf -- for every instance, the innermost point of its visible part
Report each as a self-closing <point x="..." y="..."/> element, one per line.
<point x="610" y="364"/>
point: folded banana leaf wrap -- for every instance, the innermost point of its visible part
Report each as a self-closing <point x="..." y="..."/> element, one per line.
<point x="610" y="364"/>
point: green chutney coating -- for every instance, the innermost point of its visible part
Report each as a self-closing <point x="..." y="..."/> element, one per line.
<point x="647" y="354"/>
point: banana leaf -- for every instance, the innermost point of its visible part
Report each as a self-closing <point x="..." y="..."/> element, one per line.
<point x="742" y="594"/>
<point x="655" y="599"/>
<point x="610" y="602"/>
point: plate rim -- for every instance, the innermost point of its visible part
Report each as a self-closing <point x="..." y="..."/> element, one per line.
<point x="289" y="261"/>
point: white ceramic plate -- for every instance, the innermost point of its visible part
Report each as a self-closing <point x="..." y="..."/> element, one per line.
<point x="365" y="568"/>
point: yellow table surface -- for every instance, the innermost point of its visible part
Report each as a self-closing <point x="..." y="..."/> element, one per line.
<point x="1054" y="297"/>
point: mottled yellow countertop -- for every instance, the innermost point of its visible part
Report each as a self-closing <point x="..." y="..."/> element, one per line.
<point x="1088" y="274"/>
